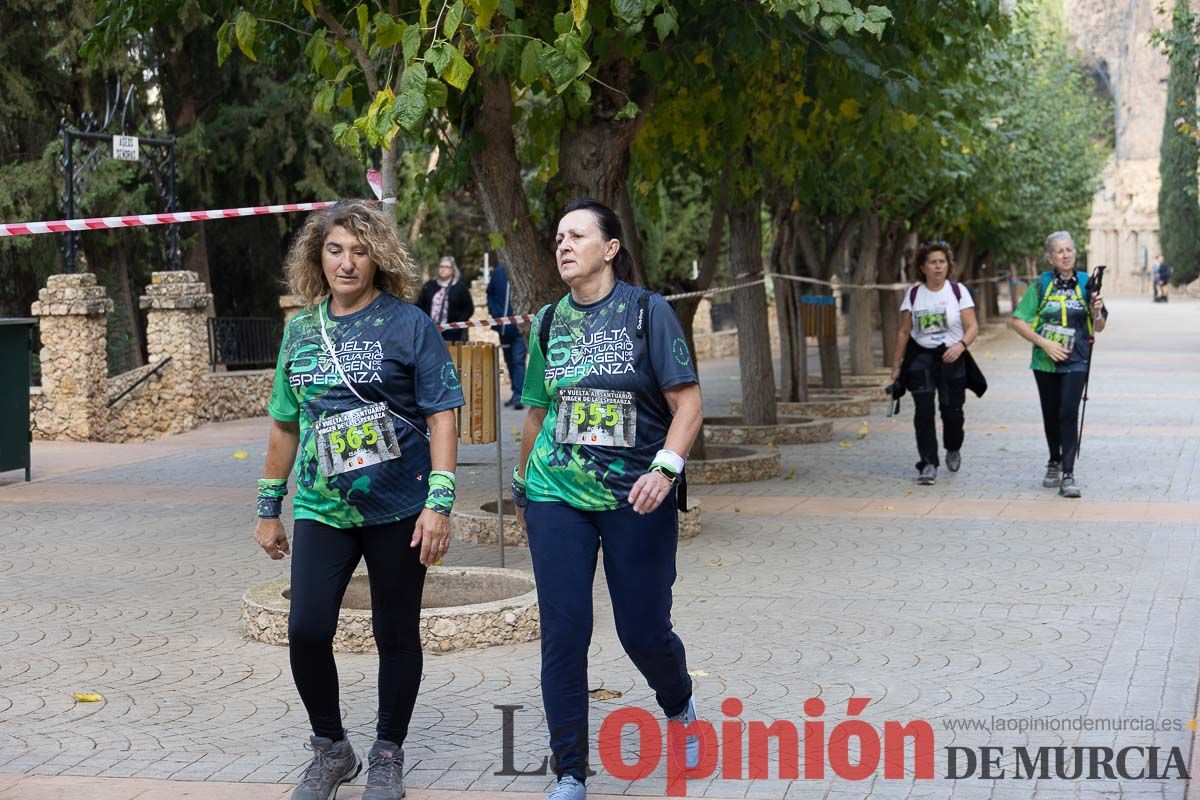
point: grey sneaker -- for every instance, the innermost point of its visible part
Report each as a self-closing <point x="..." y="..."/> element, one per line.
<point x="1067" y="487"/>
<point x="333" y="764"/>
<point x="568" y="788"/>
<point x="953" y="460"/>
<point x="1053" y="475"/>
<point x="928" y="475"/>
<point x="385" y="771"/>
<point x="692" y="743"/>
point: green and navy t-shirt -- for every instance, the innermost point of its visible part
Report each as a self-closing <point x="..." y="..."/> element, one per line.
<point x="597" y="347"/>
<point x="392" y="353"/>
<point x="1062" y="297"/>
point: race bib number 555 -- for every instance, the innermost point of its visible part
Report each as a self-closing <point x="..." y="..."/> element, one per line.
<point x="597" y="417"/>
<point x="355" y="439"/>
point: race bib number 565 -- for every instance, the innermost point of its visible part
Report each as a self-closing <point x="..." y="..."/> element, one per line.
<point x="355" y="439"/>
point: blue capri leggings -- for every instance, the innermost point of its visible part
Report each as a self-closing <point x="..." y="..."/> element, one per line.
<point x="639" y="564"/>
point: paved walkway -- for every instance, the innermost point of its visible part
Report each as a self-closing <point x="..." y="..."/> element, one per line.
<point x="983" y="597"/>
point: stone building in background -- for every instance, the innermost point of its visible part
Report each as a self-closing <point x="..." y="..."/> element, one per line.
<point x="1113" y="37"/>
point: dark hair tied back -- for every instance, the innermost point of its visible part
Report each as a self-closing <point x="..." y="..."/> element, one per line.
<point x="610" y="228"/>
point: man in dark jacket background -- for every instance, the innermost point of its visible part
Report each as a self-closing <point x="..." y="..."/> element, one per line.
<point x="511" y="341"/>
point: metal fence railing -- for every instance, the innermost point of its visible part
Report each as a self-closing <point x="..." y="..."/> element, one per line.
<point x="244" y="342"/>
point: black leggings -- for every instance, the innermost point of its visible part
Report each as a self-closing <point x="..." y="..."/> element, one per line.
<point x="927" y="374"/>
<point x="323" y="559"/>
<point x="1060" y="393"/>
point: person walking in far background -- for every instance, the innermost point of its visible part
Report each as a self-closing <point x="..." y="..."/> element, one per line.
<point x="1161" y="278"/>
<point x="447" y="298"/>
<point x="512" y="343"/>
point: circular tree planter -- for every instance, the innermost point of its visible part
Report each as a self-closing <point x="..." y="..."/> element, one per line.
<point x="873" y="393"/>
<point x="689" y="521"/>
<point x="881" y="378"/>
<point x="730" y="464"/>
<point x="479" y="525"/>
<point x="462" y="607"/>
<point x="789" y="430"/>
<point x="837" y="405"/>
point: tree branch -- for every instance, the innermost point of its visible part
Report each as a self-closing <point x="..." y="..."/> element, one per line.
<point x="716" y="231"/>
<point x="353" y="45"/>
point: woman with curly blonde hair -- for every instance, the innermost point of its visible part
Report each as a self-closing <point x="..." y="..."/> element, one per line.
<point x="395" y="272"/>
<point x="364" y="394"/>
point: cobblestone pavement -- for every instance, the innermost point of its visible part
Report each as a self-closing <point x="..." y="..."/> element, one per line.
<point x="982" y="597"/>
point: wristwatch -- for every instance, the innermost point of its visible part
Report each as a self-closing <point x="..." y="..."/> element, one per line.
<point x="661" y="470"/>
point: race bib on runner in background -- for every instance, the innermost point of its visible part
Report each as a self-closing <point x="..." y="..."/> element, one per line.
<point x="932" y="320"/>
<point x="600" y="417"/>
<point x="1057" y="333"/>
<point x="355" y="439"/>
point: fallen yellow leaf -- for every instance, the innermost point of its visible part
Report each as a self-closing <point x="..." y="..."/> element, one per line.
<point x="240" y="454"/>
<point x="845" y="444"/>
<point x="889" y="508"/>
<point x="88" y="697"/>
<point x="698" y="673"/>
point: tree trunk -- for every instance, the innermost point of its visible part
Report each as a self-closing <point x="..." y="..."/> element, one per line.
<point x="862" y="357"/>
<point x="818" y="264"/>
<point x="750" y="310"/>
<point x="195" y="258"/>
<point x="114" y="262"/>
<point x="793" y="345"/>
<point x="497" y="172"/>
<point x="982" y="291"/>
<point x="891" y="271"/>
<point x="414" y="232"/>
<point x="594" y="154"/>
<point x="686" y="308"/>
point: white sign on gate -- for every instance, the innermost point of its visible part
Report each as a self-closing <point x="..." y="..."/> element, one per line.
<point x="125" y="148"/>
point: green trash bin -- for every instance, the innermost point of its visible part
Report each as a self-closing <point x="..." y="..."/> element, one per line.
<point x="16" y="345"/>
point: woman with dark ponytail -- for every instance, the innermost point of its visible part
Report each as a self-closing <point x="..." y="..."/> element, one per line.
<point x="614" y="407"/>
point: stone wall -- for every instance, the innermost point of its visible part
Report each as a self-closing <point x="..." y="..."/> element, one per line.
<point x="72" y="311"/>
<point x="179" y="391"/>
<point x="176" y="395"/>
<point x="237" y="395"/>
<point x="1114" y="41"/>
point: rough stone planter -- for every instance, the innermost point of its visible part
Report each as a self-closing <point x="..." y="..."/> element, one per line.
<point x="689" y="521"/>
<point x="478" y="524"/>
<point x="462" y="607"/>
<point x="733" y="464"/>
<point x="479" y="527"/>
<point x="874" y="394"/>
<point x="836" y="405"/>
<point x="882" y="378"/>
<point x="790" y="430"/>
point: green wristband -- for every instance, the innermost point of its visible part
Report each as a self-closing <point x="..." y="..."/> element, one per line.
<point x="441" y="492"/>
<point x="271" y="492"/>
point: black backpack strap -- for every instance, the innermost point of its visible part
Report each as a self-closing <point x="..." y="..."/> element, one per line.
<point x="912" y="295"/>
<point x="643" y="314"/>
<point x="954" y="287"/>
<point x="544" y="328"/>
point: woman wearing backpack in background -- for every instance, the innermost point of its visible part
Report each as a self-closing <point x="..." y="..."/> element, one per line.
<point x="937" y="324"/>
<point x="1059" y="315"/>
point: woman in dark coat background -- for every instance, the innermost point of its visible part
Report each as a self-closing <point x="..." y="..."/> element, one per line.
<point x="447" y="298"/>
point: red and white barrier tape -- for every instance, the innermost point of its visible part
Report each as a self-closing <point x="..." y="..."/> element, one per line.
<point x="139" y="220"/>
<point x="486" y="322"/>
<point x="517" y="319"/>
